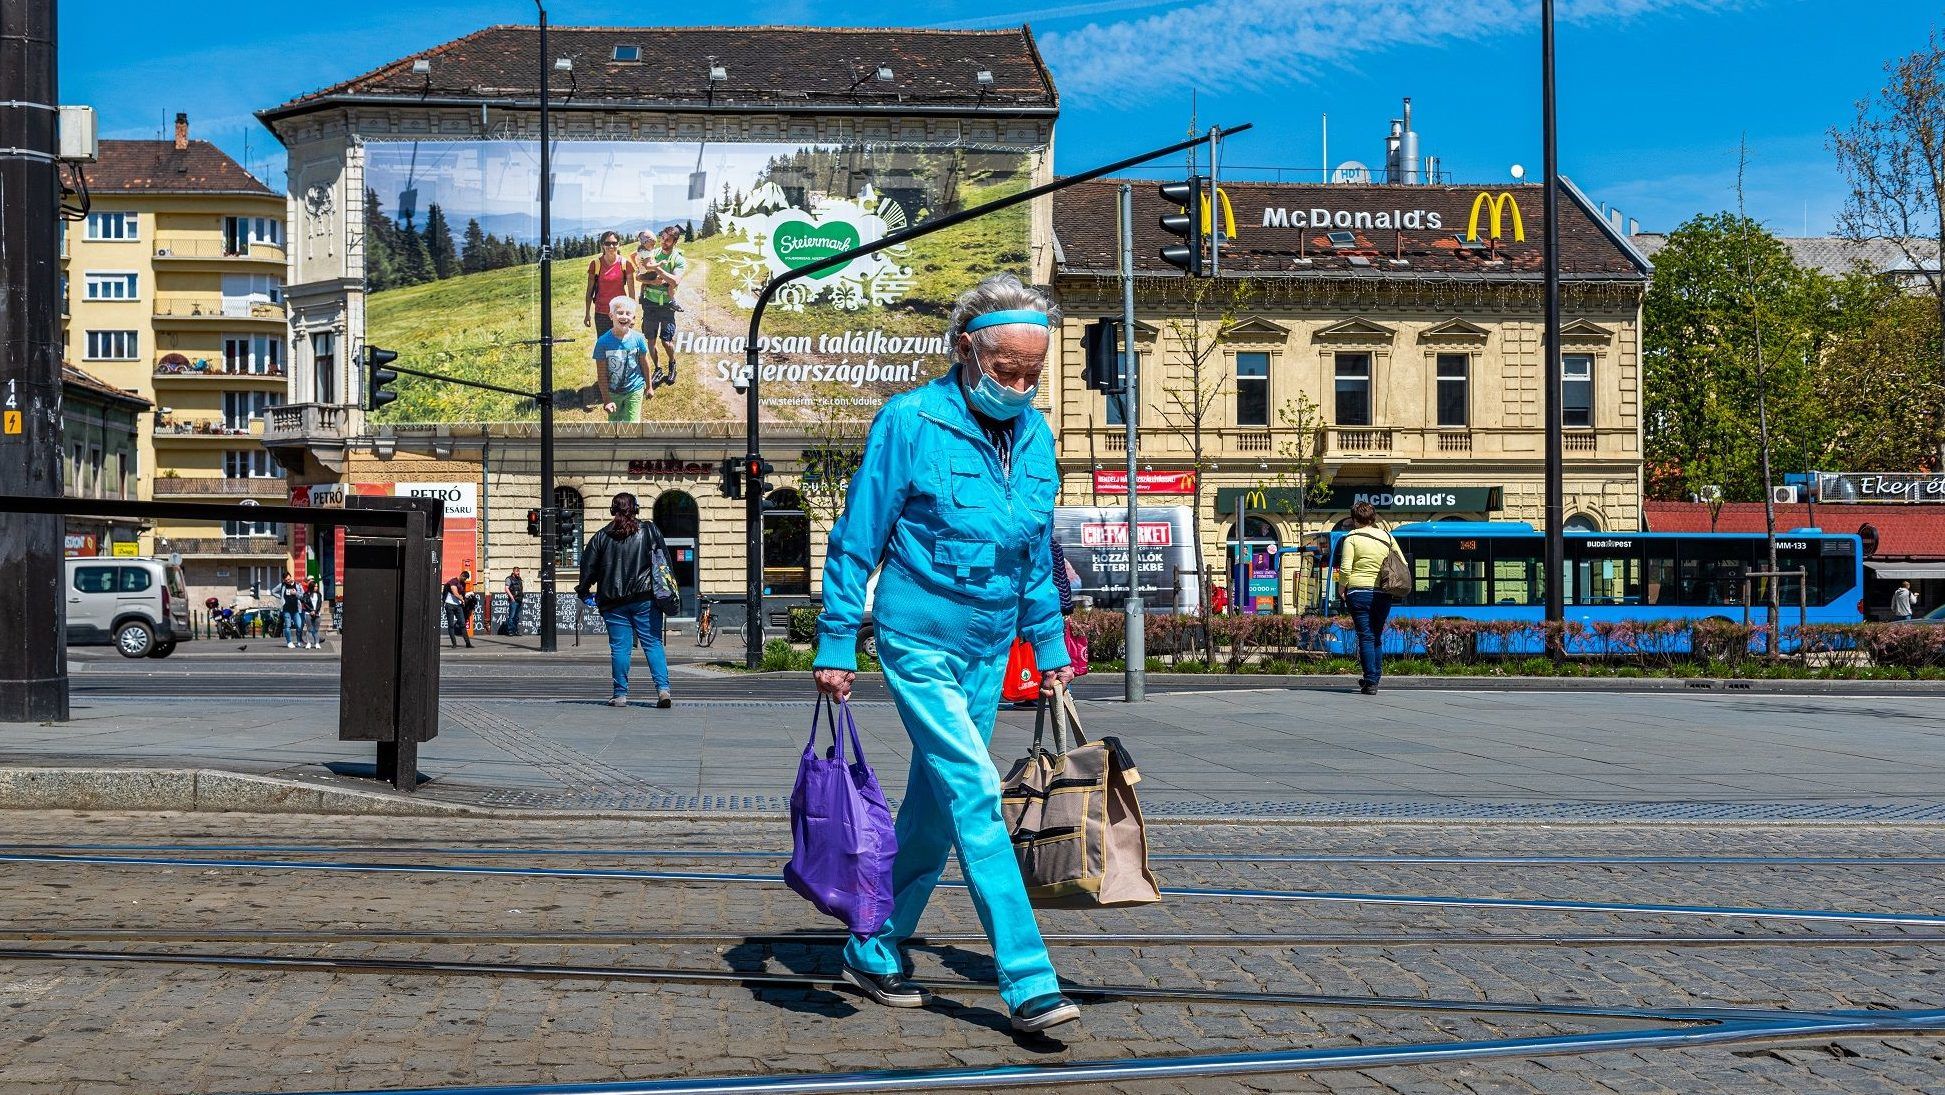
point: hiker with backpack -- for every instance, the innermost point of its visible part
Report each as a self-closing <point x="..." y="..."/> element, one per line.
<point x="1372" y="572"/>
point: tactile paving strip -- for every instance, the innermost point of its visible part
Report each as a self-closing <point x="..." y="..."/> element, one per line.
<point x="1339" y="811"/>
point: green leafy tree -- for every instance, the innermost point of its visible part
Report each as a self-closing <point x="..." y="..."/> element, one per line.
<point x="472" y="255"/>
<point x="381" y="258"/>
<point x="1306" y="482"/>
<point x="1723" y="287"/>
<point x="441" y="254"/>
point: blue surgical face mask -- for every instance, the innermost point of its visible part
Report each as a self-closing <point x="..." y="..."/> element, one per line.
<point x="995" y="400"/>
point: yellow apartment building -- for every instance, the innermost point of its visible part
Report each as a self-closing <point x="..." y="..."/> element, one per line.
<point x="175" y="290"/>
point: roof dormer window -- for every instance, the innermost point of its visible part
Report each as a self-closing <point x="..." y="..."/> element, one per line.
<point x="628" y="53"/>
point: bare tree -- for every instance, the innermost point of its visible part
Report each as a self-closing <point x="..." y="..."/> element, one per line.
<point x="1192" y="391"/>
<point x="1307" y="485"/>
<point x="1893" y="157"/>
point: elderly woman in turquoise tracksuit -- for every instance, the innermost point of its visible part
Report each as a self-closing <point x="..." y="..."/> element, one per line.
<point x="954" y="499"/>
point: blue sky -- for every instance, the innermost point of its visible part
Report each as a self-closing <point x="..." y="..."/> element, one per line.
<point x="1654" y="94"/>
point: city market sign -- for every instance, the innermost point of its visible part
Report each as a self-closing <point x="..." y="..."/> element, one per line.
<point x="1146" y="482"/>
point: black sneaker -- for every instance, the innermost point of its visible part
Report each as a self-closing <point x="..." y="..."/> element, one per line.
<point x="893" y="990"/>
<point x="1368" y="687"/>
<point x="1046" y="1011"/>
<point x="663" y="700"/>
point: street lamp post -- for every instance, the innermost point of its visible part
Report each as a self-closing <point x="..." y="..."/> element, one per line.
<point x="549" y="519"/>
<point x="1555" y="504"/>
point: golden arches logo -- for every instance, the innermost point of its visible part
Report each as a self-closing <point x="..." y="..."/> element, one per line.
<point x="1228" y="216"/>
<point x="1500" y="203"/>
<point x="1256" y="499"/>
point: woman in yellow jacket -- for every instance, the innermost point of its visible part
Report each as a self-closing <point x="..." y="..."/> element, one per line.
<point x="1360" y="555"/>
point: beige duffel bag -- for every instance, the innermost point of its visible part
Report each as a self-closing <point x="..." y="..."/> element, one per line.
<point x="1072" y="814"/>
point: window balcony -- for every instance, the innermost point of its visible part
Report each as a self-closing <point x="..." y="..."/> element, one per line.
<point x="178" y="367"/>
<point x="268" y="546"/>
<point x="300" y="424"/>
<point x="217" y="486"/>
<point x="1359" y="441"/>
<point x="217" y="311"/>
<point x="206" y="430"/>
<point x="185" y="250"/>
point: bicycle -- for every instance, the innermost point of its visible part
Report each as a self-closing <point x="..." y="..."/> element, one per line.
<point x="705" y="621"/>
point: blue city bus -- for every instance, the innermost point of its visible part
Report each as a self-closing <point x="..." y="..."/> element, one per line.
<point x="1494" y="570"/>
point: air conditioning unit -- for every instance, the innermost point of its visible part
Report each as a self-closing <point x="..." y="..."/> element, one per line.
<point x="1784" y="495"/>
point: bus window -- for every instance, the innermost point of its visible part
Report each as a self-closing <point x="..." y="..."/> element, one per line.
<point x="1606" y="570"/>
<point x="1519" y="568"/>
<point x="1658" y="565"/>
<point x="1710" y="571"/>
<point x="1446" y="570"/>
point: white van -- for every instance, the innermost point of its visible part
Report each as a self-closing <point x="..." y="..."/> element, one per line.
<point x="137" y="605"/>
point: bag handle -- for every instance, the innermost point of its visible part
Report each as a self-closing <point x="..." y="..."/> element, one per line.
<point x="1066" y="718"/>
<point x="851" y="727"/>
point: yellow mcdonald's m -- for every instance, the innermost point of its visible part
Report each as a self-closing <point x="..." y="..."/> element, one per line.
<point x="1256" y="499"/>
<point x="1228" y="216"/>
<point x="1499" y="202"/>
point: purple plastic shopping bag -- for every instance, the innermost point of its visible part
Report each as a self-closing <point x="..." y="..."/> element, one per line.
<point x="841" y="830"/>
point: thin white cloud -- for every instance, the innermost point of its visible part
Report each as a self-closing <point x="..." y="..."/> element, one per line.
<point x="1239" y="45"/>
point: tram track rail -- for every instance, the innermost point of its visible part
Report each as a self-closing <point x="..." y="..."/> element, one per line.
<point x="1922" y="920"/>
<point x="1618" y="1028"/>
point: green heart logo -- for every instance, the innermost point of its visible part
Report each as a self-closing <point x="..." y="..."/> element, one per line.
<point x="799" y="243"/>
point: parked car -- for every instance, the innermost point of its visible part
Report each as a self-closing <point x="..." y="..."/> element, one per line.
<point x="1935" y="616"/>
<point x="138" y="606"/>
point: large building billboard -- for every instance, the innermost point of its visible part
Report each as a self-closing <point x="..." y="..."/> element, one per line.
<point x="452" y="280"/>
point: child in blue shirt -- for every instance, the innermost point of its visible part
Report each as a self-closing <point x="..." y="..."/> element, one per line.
<point x="620" y="364"/>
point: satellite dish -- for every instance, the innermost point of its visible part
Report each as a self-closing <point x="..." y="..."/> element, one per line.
<point x="1518" y="171"/>
<point x="1351" y="171"/>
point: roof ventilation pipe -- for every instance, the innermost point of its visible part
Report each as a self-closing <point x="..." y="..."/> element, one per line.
<point x="1401" y="151"/>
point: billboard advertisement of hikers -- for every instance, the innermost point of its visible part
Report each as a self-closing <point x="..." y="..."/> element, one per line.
<point x="689" y="234"/>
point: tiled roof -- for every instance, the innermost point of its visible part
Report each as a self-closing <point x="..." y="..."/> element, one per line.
<point x="161" y="167"/>
<point x="1832" y="255"/>
<point x="832" y="69"/>
<point x="1274" y="235"/>
<point x="73" y="377"/>
<point x="1903" y="531"/>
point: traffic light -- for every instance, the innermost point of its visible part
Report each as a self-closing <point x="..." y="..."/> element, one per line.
<point x="533" y="522"/>
<point x="377" y="377"/>
<point x="1187" y="224"/>
<point x="1102" y="344"/>
<point x="757" y="468"/>
<point x="732" y="485"/>
<point x="567" y="524"/>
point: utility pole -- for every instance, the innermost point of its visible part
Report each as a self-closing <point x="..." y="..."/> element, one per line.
<point x="549" y="518"/>
<point x="1556" y="565"/>
<point x="33" y="662"/>
<point x="1136" y="642"/>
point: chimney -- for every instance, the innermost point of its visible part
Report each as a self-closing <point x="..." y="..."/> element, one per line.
<point x="182" y="132"/>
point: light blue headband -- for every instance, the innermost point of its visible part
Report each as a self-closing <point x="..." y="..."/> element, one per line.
<point x="1016" y="315"/>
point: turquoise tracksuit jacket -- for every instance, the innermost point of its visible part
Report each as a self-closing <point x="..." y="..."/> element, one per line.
<point x="967" y="553"/>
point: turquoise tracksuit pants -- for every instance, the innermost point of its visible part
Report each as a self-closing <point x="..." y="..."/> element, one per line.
<point x="952" y="798"/>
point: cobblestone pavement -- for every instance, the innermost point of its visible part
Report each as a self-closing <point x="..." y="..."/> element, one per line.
<point x="89" y="1027"/>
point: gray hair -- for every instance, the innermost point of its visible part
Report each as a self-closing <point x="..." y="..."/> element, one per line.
<point x="996" y="293"/>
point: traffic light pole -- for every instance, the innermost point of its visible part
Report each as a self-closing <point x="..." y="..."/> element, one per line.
<point x="549" y="525"/>
<point x="1556" y="546"/>
<point x="33" y="660"/>
<point x="1135" y="676"/>
<point x="753" y="506"/>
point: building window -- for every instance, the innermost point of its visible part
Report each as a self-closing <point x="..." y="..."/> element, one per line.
<point x="240" y="232"/>
<point x="1253" y="388"/>
<point x="95" y="468"/>
<point x="251" y="464"/>
<point x="121" y="478"/>
<point x="240" y="407"/>
<point x="1353" y="390"/>
<point x="113" y="345"/>
<point x="324" y="366"/>
<point x="1577" y="389"/>
<point x="260" y="354"/>
<point x="243" y="290"/>
<point x="568" y="550"/>
<point x="1454" y="397"/>
<point x="117" y="286"/>
<point x="249" y="528"/>
<point x="112" y="226"/>
<point x="1581" y="522"/>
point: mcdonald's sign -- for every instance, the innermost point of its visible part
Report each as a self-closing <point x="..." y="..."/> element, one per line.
<point x="1228" y="216"/>
<point x="1500" y="203"/>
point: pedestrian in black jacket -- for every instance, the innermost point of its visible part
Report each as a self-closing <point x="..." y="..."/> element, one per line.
<point x="617" y="566"/>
